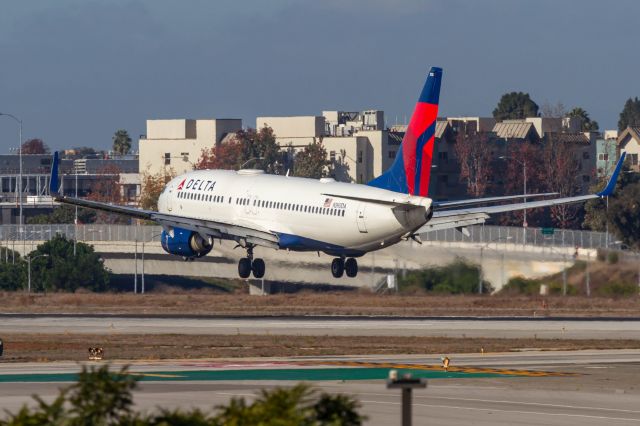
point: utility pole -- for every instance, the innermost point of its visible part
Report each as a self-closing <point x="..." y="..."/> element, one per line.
<point x="564" y="276"/>
<point x="480" y="271"/>
<point x="135" y="262"/>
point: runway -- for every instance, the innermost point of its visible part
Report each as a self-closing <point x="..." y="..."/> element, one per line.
<point x="601" y="387"/>
<point x="331" y="326"/>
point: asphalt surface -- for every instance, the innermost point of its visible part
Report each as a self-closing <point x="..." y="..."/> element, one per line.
<point x="431" y="327"/>
<point x="603" y="389"/>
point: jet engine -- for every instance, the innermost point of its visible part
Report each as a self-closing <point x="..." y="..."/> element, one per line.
<point x="185" y="243"/>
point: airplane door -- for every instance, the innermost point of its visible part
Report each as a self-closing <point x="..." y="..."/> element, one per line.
<point x="360" y="217"/>
<point x="170" y="199"/>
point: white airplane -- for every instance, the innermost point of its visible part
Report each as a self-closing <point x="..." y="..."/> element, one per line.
<point x="343" y="220"/>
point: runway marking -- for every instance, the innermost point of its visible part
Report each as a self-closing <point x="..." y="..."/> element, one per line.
<point x="493" y="410"/>
<point x="162" y="376"/>
<point x="469" y="370"/>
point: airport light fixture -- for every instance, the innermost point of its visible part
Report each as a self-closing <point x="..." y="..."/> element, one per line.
<point x="407" y="384"/>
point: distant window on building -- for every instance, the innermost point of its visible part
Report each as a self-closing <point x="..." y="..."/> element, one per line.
<point x="167" y="158"/>
<point x="185" y="156"/>
<point x="585" y="155"/>
<point x="632" y="159"/>
<point x="443" y="157"/>
<point x="359" y="156"/>
<point x="443" y="178"/>
<point x="586" y="178"/>
<point x="332" y="155"/>
<point x="392" y="154"/>
<point x="603" y="157"/>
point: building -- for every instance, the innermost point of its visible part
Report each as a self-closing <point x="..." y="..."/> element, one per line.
<point x="77" y="176"/>
<point x="357" y="144"/>
<point x="607" y="152"/>
<point x="629" y="142"/>
<point x="177" y="144"/>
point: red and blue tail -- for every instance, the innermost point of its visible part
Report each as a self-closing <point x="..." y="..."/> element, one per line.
<point x="411" y="170"/>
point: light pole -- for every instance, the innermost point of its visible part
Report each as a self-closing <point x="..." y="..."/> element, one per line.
<point x="19" y="121"/>
<point x="29" y="259"/>
<point x="524" y="178"/>
<point x="142" y="276"/>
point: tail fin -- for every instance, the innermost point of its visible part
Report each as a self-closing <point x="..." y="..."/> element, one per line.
<point x="411" y="170"/>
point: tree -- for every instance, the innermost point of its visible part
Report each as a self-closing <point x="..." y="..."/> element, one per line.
<point x="520" y="156"/>
<point x="121" y="142"/>
<point x="588" y="125"/>
<point x="225" y="156"/>
<point x="35" y="146"/>
<point x="105" y="398"/>
<point x="249" y="148"/>
<point x="60" y="270"/>
<point x="312" y="161"/>
<point x="515" y="105"/>
<point x="152" y="187"/>
<point x="561" y="172"/>
<point x="13" y="274"/>
<point x="472" y="150"/>
<point x="107" y="189"/>
<point x="630" y="115"/>
<point x="550" y="110"/>
<point x="623" y="212"/>
<point x="64" y="214"/>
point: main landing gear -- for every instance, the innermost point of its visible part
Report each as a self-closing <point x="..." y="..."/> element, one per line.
<point x="248" y="264"/>
<point x="340" y="266"/>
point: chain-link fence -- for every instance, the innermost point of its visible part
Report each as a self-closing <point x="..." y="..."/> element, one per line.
<point x="83" y="232"/>
<point x="526" y="236"/>
<point x="477" y="234"/>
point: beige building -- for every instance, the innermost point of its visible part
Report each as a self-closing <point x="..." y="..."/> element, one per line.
<point x="356" y="143"/>
<point x="629" y="142"/>
<point x="178" y="144"/>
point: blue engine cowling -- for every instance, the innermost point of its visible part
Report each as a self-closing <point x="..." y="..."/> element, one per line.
<point x="185" y="243"/>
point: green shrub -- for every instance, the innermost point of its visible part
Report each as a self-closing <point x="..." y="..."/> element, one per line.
<point x="617" y="289"/>
<point x="457" y="277"/>
<point x="522" y="285"/>
<point x="102" y="397"/>
<point x="556" y="288"/>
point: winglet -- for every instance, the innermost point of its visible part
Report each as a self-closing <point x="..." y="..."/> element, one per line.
<point x="53" y="182"/>
<point x="608" y="190"/>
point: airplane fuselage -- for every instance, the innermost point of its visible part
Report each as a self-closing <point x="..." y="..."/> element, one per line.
<point x="305" y="214"/>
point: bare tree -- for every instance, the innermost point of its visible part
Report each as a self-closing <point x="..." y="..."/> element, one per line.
<point x="472" y="150"/>
<point x="553" y="110"/>
<point x="561" y="171"/>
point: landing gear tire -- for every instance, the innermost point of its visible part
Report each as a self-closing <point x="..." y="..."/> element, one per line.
<point x="258" y="267"/>
<point x="337" y="267"/>
<point x="351" y="267"/>
<point x="244" y="267"/>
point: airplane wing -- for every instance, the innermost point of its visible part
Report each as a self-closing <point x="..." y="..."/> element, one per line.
<point x="215" y="229"/>
<point x="444" y="218"/>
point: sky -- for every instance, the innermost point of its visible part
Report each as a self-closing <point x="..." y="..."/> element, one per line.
<point x="75" y="71"/>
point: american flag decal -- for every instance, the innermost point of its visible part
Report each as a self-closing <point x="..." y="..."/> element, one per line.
<point x="327" y="202"/>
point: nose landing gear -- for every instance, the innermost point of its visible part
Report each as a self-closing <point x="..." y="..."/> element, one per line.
<point x="248" y="264"/>
<point x="340" y="266"/>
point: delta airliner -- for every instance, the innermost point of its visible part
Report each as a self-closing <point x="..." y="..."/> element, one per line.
<point x="343" y="220"/>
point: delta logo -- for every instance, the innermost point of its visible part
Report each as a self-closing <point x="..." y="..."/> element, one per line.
<point x="197" y="185"/>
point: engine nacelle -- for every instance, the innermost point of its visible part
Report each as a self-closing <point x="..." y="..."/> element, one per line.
<point x="185" y="243"/>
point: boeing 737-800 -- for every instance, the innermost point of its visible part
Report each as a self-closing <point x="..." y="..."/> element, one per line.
<point x="343" y="220"/>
